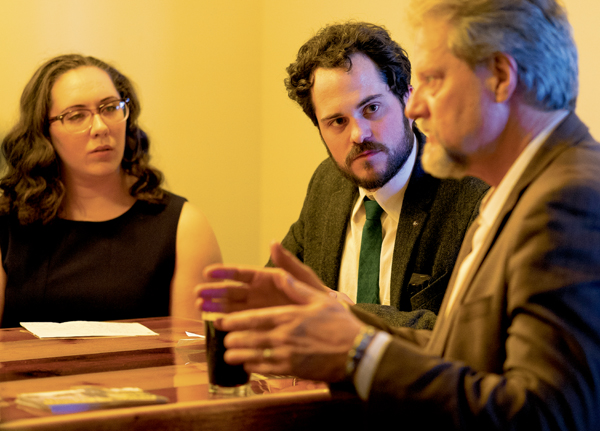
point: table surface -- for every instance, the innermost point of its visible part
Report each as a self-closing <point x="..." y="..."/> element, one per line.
<point x="164" y="365"/>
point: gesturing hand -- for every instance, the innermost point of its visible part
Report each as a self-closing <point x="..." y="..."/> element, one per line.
<point x="285" y="260"/>
<point x="309" y="340"/>
<point x="280" y="321"/>
<point x="245" y="287"/>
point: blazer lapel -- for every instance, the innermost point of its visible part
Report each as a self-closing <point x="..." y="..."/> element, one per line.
<point x="567" y="134"/>
<point x="418" y="198"/>
<point x="443" y="324"/>
<point x="338" y="211"/>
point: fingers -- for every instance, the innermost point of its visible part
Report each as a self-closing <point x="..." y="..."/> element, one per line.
<point x="225" y="291"/>
<point x="241" y="356"/>
<point x="222" y="307"/>
<point x="262" y="361"/>
<point x="341" y="297"/>
<point x="299" y="292"/>
<point x="252" y="288"/>
<point x="223" y="297"/>
<point x="310" y="341"/>
<point x="260" y="350"/>
<point x="264" y="318"/>
<point x="244" y="274"/>
<point x="283" y="259"/>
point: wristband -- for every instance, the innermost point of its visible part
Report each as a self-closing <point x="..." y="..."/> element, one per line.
<point x="356" y="353"/>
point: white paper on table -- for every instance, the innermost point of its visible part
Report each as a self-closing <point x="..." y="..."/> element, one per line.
<point x="193" y="335"/>
<point x="82" y="328"/>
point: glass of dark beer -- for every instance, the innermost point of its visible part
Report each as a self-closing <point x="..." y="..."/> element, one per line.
<point x="223" y="379"/>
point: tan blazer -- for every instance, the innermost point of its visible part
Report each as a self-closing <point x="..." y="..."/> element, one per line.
<point x="521" y="346"/>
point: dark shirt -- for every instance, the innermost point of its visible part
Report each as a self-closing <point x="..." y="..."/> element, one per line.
<point x="79" y="270"/>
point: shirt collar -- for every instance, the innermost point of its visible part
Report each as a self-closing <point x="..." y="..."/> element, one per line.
<point x="497" y="196"/>
<point x="391" y="195"/>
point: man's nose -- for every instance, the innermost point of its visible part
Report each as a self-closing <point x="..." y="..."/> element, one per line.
<point x="415" y="106"/>
<point x="361" y="130"/>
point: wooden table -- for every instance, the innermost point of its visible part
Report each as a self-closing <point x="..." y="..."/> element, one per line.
<point x="157" y="364"/>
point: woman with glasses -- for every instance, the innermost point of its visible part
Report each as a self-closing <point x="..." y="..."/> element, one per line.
<point x="86" y="231"/>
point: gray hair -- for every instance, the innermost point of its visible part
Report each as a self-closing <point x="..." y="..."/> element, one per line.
<point x="536" y="33"/>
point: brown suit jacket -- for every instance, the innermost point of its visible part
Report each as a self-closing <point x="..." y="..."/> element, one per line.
<point x="521" y="346"/>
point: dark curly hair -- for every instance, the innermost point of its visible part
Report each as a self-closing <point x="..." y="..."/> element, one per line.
<point x="332" y="47"/>
<point x="31" y="185"/>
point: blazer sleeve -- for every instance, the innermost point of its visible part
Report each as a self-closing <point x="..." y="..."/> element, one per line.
<point x="316" y="238"/>
<point x="538" y="368"/>
<point x="294" y="239"/>
<point x="415" y="336"/>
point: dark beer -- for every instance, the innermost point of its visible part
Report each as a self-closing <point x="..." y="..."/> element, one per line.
<point x="220" y="373"/>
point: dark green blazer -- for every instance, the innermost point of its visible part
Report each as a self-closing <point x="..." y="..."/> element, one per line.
<point x="434" y="218"/>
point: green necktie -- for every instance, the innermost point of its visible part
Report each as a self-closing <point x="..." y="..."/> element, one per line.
<point x="370" y="251"/>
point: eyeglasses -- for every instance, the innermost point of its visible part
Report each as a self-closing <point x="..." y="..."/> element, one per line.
<point x="80" y="120"/>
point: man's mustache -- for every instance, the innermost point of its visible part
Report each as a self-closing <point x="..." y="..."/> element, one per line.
<point x="358" y="149"/>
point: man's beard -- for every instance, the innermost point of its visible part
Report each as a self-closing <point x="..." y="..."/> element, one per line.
<point x="440" y="163"/>
<point x="395" y="160"/>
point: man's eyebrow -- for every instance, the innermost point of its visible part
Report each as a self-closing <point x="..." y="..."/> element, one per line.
<point x="368" y="99"/>
<point x="358" y="105"/>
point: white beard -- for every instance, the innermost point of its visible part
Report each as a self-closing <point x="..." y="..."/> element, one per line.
<point x="439" y="163"/>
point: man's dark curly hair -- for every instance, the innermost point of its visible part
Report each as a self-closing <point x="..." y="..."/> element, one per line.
<point x="31" y="186"/>
<point x="332" y="47"/>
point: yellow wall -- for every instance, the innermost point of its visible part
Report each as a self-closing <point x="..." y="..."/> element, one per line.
<point x="196" y="65"/>
<point x="291" y="148"/>
<point x="210" y="78"/>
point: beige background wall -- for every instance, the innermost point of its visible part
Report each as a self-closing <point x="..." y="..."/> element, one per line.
<point x="210" y="78"/>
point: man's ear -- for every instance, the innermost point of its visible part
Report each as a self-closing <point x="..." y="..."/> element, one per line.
<point x="503" y="82"/>
<point x="405" y="100"/>
<point x="407" y="94"/>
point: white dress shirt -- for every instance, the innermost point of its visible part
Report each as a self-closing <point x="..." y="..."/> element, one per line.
<point x="390" y="198"/>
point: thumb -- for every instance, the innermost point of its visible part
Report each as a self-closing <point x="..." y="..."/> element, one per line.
<point x="290" y="263"/>
<point x="298" y="291"/>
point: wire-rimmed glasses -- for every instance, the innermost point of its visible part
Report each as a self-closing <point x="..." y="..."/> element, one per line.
<point x="80" y="120"/>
